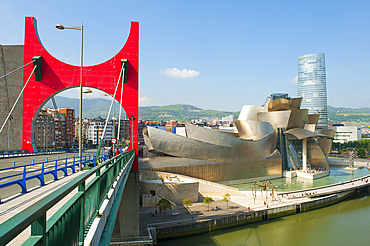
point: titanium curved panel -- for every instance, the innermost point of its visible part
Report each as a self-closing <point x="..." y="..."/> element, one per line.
<point x="287" y="119"/>
<point x="216" y="171"/>
<point x="295" y="103"/>
<point x="209" y="135"/>
<point x="279" y="104"/>
<point x="248" y="129"/>
<point x="297" y="119"/>
<point x="298" y="133"/>
<point x="310" y="127"/>
<point x="325" y="143"/>
<point x="249" y="112"/>
<point x="147" y="139"/>
<point x="176" y="145"/>
<point x="278" y="118"/>
<point x="315" y="156"/>
<point x="313" y="118"/>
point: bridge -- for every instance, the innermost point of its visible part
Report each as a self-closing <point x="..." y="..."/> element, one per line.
<point x="68" y="204"/>
<point x="82" y="211"/>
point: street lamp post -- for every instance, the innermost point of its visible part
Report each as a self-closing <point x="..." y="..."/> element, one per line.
<point x="132" y="118"/>
<point x="61" y="27"/>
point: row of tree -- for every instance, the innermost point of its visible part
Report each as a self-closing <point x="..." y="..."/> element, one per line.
<point x="361" y="147"/>
<point x="165" y="205"/>
<point x="207" y="200"/>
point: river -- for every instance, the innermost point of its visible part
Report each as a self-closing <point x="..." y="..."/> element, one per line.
<point x="344" y="223"/>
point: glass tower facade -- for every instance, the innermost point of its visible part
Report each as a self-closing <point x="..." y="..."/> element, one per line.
<point x="312" y="86"/>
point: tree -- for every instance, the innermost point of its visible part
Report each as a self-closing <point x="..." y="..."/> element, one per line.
<point x="207" y="200"/>
<point x="164" y="205"/>
<point x="361" y="152"/>
<point x="187" y="203"/>
<point x="226" y="199"/>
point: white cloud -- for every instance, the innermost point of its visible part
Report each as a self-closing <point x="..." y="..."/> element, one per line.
<point x="177" y="73"/>
<point x="144" y="101"/>
<point x="295" y="80"/>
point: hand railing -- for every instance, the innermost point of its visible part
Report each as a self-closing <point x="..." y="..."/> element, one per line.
<point x="71" y="223"/>
<point x="11" y="153"/>
<point x="48" y="167"/>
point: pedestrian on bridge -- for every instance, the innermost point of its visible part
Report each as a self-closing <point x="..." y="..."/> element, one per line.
<point x="117" y="152"/>
<point x="110" y="152"/>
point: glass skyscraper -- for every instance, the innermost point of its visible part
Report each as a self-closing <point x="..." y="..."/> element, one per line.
<point x="312" y="86"/>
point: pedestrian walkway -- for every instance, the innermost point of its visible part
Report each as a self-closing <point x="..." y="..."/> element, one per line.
<point x="20" y="202"/>
<point x="241" y="204"/>
<point x="181" y="214"/>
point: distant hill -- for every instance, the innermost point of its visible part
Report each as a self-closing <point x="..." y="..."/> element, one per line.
<point x="93" y="108"/>
<point x="337" y="115"/>
<point x="358" y="110"/>
<point x="181" y="112"/>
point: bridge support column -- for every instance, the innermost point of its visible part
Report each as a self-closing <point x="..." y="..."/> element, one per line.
<point x="129" y="208"/>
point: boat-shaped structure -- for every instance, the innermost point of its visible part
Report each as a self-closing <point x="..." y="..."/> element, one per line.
<point x="265" y="141"/>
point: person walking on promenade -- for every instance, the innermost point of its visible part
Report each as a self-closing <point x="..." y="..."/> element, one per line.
<point x="110" y="152"/>
<point x="117" y="152"/>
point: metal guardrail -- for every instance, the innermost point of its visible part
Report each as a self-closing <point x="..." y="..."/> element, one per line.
<point x="14" y="153"/>
<point x="70" y="224"/>
<point x="57" y="165"/>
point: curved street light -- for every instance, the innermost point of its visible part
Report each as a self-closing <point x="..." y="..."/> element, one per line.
<point x="61" y="27"/>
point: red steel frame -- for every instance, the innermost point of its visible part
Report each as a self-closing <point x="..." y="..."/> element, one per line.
<point x="57" y="76"/>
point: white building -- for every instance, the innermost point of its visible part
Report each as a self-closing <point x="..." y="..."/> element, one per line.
<point x="346" y="133"/>
<point x="228" y="119"/>
<point x="96" y="128"/>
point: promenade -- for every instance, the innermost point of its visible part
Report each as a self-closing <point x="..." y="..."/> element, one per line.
<point x="242" y="205"/>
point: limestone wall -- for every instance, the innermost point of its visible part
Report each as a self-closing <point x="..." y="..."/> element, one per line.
<point x="11" y="58"/>
<point x="174" y="191"/>
<point x="206" y="188"/>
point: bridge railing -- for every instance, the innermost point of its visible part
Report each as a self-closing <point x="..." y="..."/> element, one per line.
<point x="11" y="153"/>
<point x="71" y="223"/>
<point x="47" y="167"/>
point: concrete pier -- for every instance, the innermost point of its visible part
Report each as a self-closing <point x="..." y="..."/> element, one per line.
<point x="129" y="208"/>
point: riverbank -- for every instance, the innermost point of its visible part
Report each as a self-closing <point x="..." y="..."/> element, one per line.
<point x="244" y="210"/>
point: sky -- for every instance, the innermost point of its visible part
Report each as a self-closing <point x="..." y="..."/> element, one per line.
<point x="211" y="54"/>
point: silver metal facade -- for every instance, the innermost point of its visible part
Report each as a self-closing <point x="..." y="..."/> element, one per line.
<point x="264" y="138"/>
<point x="312" y="86"/>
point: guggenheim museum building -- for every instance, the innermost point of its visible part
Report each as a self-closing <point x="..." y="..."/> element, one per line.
<point x="264" y="142"/>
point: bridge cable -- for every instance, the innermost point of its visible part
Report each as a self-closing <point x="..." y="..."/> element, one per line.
<point x="15" y="70"/>
<point x="113" y="98"/>
<point x="20" y="94"/>
<point x="120" y="108"/>
<point x="110" y="109"/>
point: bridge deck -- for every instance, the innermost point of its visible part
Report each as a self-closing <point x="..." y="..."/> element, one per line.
<point x="20" y="202"/>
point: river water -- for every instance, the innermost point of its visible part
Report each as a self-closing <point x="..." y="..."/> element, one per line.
<point x="344" y="223"/>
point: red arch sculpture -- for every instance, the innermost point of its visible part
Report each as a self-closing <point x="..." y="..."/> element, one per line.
<point x="57" y="75"/>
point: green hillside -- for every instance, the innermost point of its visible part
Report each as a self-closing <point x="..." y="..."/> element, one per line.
<point x="181" y="112"/>
<point x="93" y="108"/>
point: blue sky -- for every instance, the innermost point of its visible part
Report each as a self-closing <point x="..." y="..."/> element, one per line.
<point x="225" y="54"/>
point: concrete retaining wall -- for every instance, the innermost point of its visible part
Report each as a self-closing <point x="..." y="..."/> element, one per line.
<point x="206" y="188"/>
<point x="174" y="191"/>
